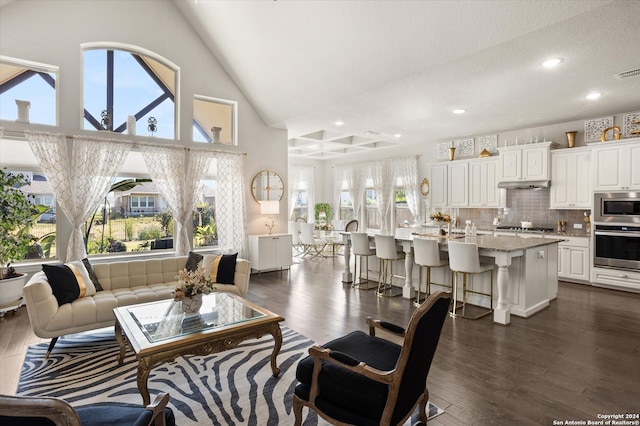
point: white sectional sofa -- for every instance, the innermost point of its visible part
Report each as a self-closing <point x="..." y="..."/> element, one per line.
<point x="123" y="283"/>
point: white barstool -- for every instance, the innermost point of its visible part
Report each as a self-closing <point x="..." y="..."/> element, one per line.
<point x="387" y="252"/>
<point x="427" y="254"/>
<point x="361" y="248"/>
<point x="464" y="259"/>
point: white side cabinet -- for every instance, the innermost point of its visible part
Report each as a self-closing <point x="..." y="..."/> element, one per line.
<point x="616" y="165"/>
<point x="573" y="259"/>
<point x="571" y="178"/>
<point x="270" y="252"/>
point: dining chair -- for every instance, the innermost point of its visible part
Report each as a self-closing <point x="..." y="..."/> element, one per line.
<point x="312" y="246"/>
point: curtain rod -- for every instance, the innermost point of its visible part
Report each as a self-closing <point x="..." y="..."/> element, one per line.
<point x="21" y="134"/>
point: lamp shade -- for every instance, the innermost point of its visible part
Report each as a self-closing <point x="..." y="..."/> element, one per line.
<point x="269" y="207"/>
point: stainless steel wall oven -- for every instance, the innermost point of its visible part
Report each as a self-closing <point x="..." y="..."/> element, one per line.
<point x="617" y="230"/>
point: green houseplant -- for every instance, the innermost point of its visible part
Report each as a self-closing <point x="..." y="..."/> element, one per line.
<point x="17" y="215"/>
<point x="320" y="208"/>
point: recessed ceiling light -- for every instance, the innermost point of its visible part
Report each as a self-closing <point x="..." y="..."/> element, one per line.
<point x="459" y="111"/>
<point x="593" y="95"/>
<point x="397" y="135"/>
<point x="551" y="63"/>
<point x="338" y="123"/>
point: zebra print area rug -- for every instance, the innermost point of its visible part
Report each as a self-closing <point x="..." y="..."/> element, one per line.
<point x="235" y="387"/>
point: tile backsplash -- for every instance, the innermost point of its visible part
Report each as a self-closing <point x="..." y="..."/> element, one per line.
<point x="526" y="205"/>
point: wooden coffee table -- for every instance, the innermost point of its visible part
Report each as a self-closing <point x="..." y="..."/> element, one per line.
<point x="160" y="331"/>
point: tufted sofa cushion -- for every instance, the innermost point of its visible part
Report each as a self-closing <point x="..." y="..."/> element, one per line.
<point x="123" y="283"/>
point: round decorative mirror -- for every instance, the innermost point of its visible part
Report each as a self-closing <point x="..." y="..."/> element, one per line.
<point x="267" y="185"/>
<point x="424" y="187"/>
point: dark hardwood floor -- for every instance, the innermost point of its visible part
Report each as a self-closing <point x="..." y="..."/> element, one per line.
<point x="575" y="360"/>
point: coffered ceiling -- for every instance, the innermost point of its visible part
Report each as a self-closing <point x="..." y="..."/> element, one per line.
<point x="393" y="71"/>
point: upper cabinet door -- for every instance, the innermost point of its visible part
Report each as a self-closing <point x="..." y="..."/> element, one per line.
<point x="511" y="165"/>
<point x="535" y="163"/>
<point x="438" y="185"/>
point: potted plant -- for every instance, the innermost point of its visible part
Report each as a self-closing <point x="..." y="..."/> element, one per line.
<point x="17" y="215"/>
<point x="322" y="214"/>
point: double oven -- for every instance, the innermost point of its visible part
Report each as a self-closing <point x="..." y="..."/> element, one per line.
<point x="616" y="219"/>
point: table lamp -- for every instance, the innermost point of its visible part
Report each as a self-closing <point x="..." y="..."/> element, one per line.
<point x="270" y="208"/>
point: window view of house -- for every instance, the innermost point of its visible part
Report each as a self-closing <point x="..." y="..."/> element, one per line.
<point x="44" y="230"/>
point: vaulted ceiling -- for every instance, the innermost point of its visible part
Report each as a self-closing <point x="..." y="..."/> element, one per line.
<point x="387" y="68"/>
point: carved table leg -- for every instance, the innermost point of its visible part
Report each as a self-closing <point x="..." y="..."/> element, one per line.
<point x="120" y="339"/>
<point x="144" y="368"/>
<point x="277" y="344"/>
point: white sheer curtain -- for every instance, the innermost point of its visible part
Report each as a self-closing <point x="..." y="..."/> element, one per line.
<point x="407" y="169"/>
<point x="230" y="205"/>
<point x="301" y="177"/>
<point x="177" y="175"/>
<point x="383" y="177"/>
<point x="356" y="181"/>
<point x="79" y="177"/>
<point x="339" y="177"/>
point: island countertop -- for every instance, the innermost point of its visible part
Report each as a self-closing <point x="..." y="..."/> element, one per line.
<point x="498" y="243"/>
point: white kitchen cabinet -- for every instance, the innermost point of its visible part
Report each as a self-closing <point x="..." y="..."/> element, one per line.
<point x="573" y="259"/>
<point x="616" y="165"/>
<point x="483" y="182"/>
<point x="618" y="279"/>
<point x="571" y="178"/>
<point x="270" y="252"/>
<point x="525" y="162"/>
<point x="458" y="184"/>
<point x="438" y="184"/>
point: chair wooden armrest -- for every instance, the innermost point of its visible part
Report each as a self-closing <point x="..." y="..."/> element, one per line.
<point x="319" y="354"/>
<point x="157" y="409"/>
<point x="386" y="326"/>
<point x="57" y="410"/>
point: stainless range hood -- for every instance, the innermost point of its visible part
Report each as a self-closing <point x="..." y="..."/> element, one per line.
<point x="533" y="184"/>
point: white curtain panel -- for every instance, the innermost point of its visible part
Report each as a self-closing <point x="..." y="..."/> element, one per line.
<point x="230" y="204"/>
<point x="407" y="169"/>
<point x="357" y="181"/>
<point x="295" y="178"/>
<point x="80" y="177"/>
<point x="339" y="176"/>
<point x="302" y="177"/>
<point x="177" y="175"/>
<point x="383" y="176"/>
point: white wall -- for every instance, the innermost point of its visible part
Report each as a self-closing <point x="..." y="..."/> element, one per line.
<point x="52" y="31"/>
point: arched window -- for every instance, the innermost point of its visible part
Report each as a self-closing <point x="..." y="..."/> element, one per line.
<point x="127" y="88"/>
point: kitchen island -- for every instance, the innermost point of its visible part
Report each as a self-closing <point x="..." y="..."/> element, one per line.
<point x="527" y="277"/>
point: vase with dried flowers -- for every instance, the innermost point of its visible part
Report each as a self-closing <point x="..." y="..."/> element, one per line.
<point x="441" y="218"/>
<point x="191" y="286"/>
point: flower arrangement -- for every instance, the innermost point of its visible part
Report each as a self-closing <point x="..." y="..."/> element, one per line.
<point x="191" y="283"/>
<point x="440" y="217"/>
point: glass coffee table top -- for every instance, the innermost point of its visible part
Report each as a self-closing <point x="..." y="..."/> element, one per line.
<point x="166" y="320"/>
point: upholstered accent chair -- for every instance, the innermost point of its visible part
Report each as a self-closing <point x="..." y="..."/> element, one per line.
<point x="43" y="411"/>
<point x="364" y="379"/>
